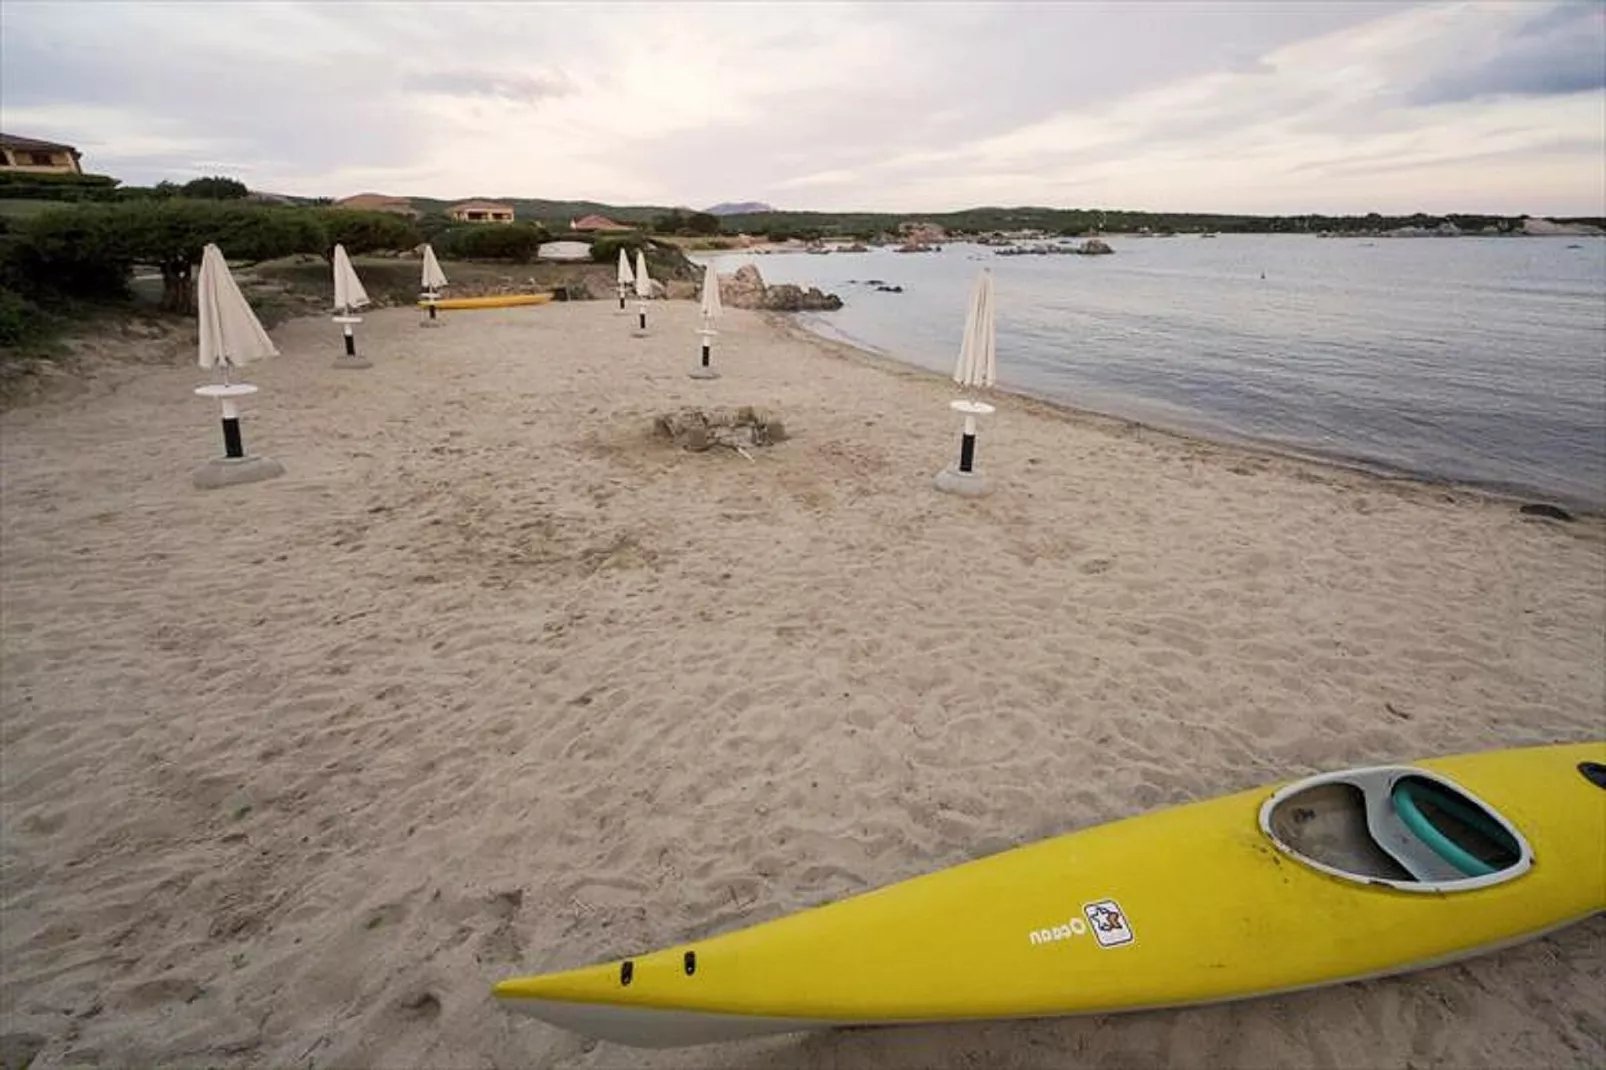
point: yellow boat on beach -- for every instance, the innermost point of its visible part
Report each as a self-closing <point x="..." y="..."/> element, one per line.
<point x="1336" y="877"/>
<point x="447" y="304"/>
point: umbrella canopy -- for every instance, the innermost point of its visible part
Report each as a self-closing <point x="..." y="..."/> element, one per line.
<point x="230" y="332"/>
<point x="978" y="353"/>
<point x="625" y="277"/>
<point x="434" y="277"/>
<point x="643" y="281"/>
<point x="711" y="306"/>
<point x="349" y="293"/>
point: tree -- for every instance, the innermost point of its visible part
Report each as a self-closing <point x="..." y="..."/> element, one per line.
<point x="671" y="222"/>
<point x="215" y="188"/>
<point x="366" y="232"/>
<point x="702" y="223"/>
<point x="90" y="248"/>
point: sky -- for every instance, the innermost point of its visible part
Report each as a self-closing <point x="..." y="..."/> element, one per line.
<point x="1193" y="105"/>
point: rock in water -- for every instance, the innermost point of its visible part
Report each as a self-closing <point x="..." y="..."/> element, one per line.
<point x="746" y="289"/>
<point x="1550" y="512"/>
<point x="1094" y="247"/>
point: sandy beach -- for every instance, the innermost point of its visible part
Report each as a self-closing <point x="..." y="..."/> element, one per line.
<point x="492" y="681"/>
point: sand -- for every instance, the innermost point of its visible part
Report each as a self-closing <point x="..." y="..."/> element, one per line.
<point x="492" y="682"/>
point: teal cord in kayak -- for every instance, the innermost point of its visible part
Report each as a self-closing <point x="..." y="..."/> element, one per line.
<point x="1405" y="805"/>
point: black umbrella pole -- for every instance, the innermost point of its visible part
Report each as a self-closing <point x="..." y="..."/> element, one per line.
<point x="643" y="311"/>
<point x="705" y="354"/>
<point x="967" y="445"/>
<point x="351" y="342"/>
<point x="621" y="299"/>
<point x="432" y="310"/>
<point x="233" y="448"/>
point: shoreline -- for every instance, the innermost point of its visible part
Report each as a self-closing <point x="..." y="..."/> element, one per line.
<point x="1517" y="436"/>
<point x="1249" y="447"/>
<point x="101" y="353"/>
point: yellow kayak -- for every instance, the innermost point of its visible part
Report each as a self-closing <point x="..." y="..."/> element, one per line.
<point x="1332" y="878"/>
<point x="494" y="301"/>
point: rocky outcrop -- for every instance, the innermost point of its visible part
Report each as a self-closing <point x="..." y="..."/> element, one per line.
<point x="790" y="298"/>
<point x="1094" y="247"/>
<point x="680" y="290"/>
<point x="746" y="289"/>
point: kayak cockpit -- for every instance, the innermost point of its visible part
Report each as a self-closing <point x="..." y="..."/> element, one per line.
<point x="1397" y="826"/>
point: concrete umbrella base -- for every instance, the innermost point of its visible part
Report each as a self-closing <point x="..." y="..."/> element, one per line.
<point x="232" y="471"/>
<point x="966" y="484"/>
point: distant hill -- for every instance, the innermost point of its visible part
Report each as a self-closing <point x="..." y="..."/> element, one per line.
<point x="740" y="208"/>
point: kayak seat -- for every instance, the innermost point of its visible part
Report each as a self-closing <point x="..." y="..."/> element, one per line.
<point x="1396" y="826"/>
<point x="1457" y="831"/>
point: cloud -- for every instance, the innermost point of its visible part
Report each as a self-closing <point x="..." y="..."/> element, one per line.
<point x="1558" y="52"/>
<point x="1218" y="106"/>
<point x="510" y="86"/>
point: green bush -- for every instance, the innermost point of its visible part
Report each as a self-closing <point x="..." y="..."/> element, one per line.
<point x="34" y="178"/>
<point x="432" y="225"/>
<point x="366" y="232"/>
<point x="606" y="250"/>
<point x="516" y="242"/>
<point x="88" y="250"/>
<point x="71" y="189"/>
<point x="21" y="320"/>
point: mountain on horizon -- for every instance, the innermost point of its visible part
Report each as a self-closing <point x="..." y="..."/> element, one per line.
<point x="740" y="208"/>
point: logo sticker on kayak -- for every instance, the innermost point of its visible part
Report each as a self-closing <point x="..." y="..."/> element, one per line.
<point x="1105" y="920"/>
<point x="1108" y="922"/>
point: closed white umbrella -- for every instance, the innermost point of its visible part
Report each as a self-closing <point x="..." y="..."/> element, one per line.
<point x="712" y="310"/>
<point x="643" y="289"/>
<point x="977" y="367"/>
<point x="434" y="277"/>
<point x="231" y="336"/>
<point x="643" y="280"/>
<point x="626" y="279"/>
<point x="978" y="351"/>
<point x="349" y="296"/>
<point x="434" y="280"/>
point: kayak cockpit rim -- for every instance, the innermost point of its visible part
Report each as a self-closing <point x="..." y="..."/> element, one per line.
<point x="1398" y="826"/>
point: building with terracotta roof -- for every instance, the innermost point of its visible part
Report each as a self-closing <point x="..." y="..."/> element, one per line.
<point x="596" y="222"/>
<point x="32" y="156"/>
<point x="379" y="202"/>
<point x="481" y="212"/>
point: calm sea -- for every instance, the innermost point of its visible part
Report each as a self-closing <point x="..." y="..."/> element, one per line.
<point x="1478" y="360"/>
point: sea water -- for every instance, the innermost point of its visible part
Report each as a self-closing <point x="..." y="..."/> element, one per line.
<point x="1477" y="360"/>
